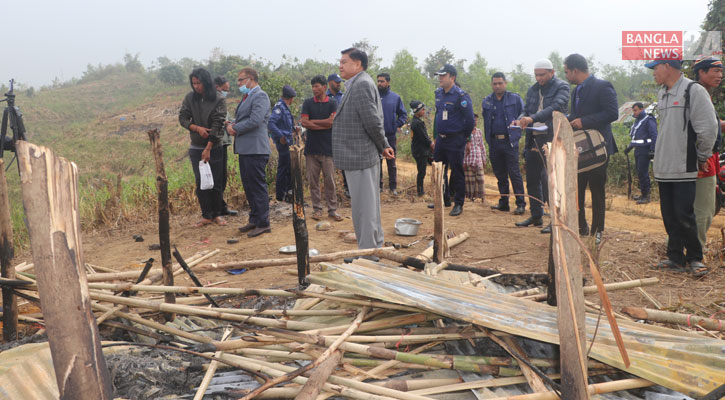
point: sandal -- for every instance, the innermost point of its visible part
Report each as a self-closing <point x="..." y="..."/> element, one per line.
<point x="203" y="222"/>
<point x="220" y="221"/>
<point x="698" y="269"/>
<point x="669" y="265"/>
<point x="317" y="215"/>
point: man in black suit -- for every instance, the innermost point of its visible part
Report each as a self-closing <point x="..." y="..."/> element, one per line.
<point x="593" y="106"/>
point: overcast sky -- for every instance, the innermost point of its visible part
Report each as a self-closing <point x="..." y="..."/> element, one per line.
<point x="47" y="39"/>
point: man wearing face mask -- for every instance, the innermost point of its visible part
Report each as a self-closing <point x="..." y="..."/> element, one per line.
<point x="222" y="87"/>
<point x="394" y="116"/>
<point x="281" y="127"/>
<point x="251" y="143"/>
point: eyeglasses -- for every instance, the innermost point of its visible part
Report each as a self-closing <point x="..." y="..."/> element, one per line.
<point x="240" y="80"/>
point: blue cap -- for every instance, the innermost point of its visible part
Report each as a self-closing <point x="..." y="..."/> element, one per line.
<point x="447" y="69"/>
<point x="288" y="91"/>
<point x="334" y="77"/>
<point x="673" y="63"/>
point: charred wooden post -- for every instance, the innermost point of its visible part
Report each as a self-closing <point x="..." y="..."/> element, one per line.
<point x="192" y="275"/>
<point x="7" y="252"/>
<point x="298" y="215"/>
<point x="162" y="187"/>
<point x="50" y="198"/>
<point x="440" y="245"/>
<point x="562" y="168"/>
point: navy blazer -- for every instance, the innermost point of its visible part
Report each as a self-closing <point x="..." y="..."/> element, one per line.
<point x="597" y="108"/>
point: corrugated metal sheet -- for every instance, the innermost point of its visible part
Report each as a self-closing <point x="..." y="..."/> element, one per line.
<point x="685" y="362"/>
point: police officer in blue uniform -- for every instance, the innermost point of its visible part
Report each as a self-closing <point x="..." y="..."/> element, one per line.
<point x="280" y="127"/>
<point x="453" y="126"/>
<point x="499" y="110"/>
<point x="643" y="135"/>
<point x="334" y="89"/>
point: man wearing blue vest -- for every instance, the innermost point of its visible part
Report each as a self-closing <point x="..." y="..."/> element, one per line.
<point x="453" y="124"/>
<point x="394" y="116"/>
<point x="499" y="110"/>
<point x="643" y="136"/>
<point x="280" y="127"/>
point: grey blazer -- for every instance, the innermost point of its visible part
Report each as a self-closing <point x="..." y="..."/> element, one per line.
<point x="358" y="137"/>
<point x="250" y="124"/>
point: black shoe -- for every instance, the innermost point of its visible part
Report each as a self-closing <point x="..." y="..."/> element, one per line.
<point x="520" y="210"/>
<point x="643" y="200"/>
<point x="431" y="206"/>
<point x="248" y="227"/>
<point x="347" y="193"/>
<point x="447" y="203"/>
<point x="547" y="229"/>
<point x="259" y="230"/>
<point x="636" y="197"/>
<point x="584" y="231"/>
<point x="501" y="207"/>
<point x="231" y="213"/>
<point x="535" y="221"/>
<point x="457" y="210"/>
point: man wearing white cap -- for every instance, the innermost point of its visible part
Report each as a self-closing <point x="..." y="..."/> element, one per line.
<point x="547" y="95"/>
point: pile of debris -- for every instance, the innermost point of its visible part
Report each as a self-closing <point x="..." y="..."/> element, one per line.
<point x="371" y="330"/>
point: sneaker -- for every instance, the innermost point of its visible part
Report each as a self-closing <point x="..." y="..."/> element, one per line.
<point x="643" y="200"/>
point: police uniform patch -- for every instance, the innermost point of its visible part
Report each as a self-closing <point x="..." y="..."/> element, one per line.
<point x="464" y="103"/>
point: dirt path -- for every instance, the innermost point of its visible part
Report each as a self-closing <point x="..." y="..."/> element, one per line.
<point x="634" y="238"/>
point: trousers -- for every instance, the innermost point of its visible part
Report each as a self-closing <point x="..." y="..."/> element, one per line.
<point x="678" y="214"/>
<point x="505" y="164"/>
<point x="252" y="168"/>
<point x="365" y="205"/>
<point x="595" y="179"/>
<point x="210" y="201"/>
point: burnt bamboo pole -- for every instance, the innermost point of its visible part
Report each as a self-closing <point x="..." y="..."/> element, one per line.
<point x="162" y="187"/>
<point x="440" y="244"/>
<point x="50" y="198"/>
<point x="299" y="223"/>
<point x="7" y="252"/>
<point x="562" y="175"/>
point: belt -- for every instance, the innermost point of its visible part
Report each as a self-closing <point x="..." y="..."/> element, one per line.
<point x="501" y="137"/>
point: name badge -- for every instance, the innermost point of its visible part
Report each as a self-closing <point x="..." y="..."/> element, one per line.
<point x="445" y="115"/>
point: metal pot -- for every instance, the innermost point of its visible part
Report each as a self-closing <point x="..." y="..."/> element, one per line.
<point x="407" y="226"/>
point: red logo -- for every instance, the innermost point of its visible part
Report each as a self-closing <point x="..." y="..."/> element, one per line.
<point x="652" y="45"/>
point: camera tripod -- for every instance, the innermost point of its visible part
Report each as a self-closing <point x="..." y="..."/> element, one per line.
<point x="13" y="116"/>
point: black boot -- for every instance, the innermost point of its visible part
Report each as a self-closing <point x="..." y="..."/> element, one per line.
<point x="535" y="221"/>
<point x="501" y="206"/>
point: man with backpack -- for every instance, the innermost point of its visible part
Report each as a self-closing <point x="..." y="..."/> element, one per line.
<point x="593" y="107"/>
<point x="687" y="134"/>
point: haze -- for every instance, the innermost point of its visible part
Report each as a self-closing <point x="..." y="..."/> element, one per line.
<point x="48" y="39"/>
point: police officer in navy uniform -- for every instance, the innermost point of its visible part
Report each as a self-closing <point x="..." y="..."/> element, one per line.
<point x="334" y="90"/>
<point x="453" y="126"/>
<point x="644" y="136"/>
<point x="280" y="127"/>
<point x="499" y="110"/>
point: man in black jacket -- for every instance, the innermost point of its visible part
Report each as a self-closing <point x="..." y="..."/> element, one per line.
<point x="593" y="106"/>
<point x="547" y="95"/>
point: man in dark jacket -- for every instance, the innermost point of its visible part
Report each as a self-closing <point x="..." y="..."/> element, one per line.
<point x="420" y="145"/>
<point x="280" y="127"/>
<point x="394" y="116"/>
<point x="593" y="106"/>
<point x="643" y="136"/>
<point x="499" y="110"/>
<point x="547" y="95"/>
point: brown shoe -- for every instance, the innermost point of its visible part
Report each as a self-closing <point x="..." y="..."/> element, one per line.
<point x="317" y="215"/>
<point x="248" y="227"/>
<point x="334" y="215"/>
<point x="259" y="230"/>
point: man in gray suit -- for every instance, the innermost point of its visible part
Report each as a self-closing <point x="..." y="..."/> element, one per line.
<point x="358" y="140"/>
<point x="252" y="144"/>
